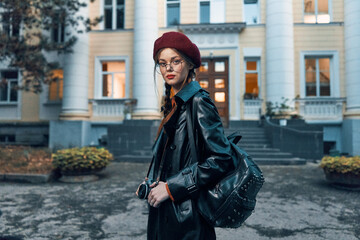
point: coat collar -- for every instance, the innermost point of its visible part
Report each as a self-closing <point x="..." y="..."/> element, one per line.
<point x="184" y="95"/>
<point x="188" y="91"/>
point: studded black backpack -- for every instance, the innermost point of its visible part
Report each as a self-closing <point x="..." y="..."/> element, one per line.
<point x="232" y="200"/>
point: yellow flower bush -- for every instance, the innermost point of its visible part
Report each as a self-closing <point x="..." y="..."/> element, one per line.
<point x="81" y="159"/>
<point x="341" y="164"/>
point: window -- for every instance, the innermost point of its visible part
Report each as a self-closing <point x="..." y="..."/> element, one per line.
<point x="316" y="11"/>
<point x="58" y="31"/>
<point x="173" y="12"/>
<point x="204" y="11"/>
<point x="10" y="24"/>
<point x="8" y="86"/>
<point x="113" y="77"/>
<point x="252" y="79"/>
<point x="317" y="76"/>
<point x="114" y="14"/>
<point x="251" y="11"/>
<point x="56" y="86"/>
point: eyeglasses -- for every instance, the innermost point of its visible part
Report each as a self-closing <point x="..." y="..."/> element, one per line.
<point x="175" y="65"/>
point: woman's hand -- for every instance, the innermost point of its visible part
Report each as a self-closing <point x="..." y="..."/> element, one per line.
<point x="158" y="194"/>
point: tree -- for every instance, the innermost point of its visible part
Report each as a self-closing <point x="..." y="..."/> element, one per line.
<point x="30" y="28"/>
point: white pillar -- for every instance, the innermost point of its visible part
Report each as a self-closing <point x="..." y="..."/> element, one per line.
<point x="280" y="80"/>
<point x="75" y="91"/>
<point x="352" y="56"/>
<point x="145" y="33"/>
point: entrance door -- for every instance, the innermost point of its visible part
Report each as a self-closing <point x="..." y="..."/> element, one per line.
<point x="213" y="77"/>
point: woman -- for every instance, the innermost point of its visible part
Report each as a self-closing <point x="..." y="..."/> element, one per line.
<point x="172" y="199"/>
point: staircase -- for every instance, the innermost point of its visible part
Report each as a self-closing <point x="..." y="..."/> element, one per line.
<point x="255" y="143"/>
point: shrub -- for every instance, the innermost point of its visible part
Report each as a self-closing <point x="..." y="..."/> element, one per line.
<point x="81" y="159"/>
<point x="341" y="164"/>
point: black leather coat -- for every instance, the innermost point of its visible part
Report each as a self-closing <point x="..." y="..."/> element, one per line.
<point x="179" y="219"/>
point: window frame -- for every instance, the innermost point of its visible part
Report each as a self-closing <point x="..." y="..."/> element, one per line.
<point x="17" y="81"/>
<point x="11" y="34"/>
<point x="258" y="13"/>
<point x="199" y="13"/>
<point x="58" y="98"/>
<point x="316" y="12"/>
<point x="166" y="8"/>
<point x="334" y="72"/>
<point x="99" y="73"/>
<point x="258" y="71"/>
<point x="114" y="15"/>
<point x="60" y="32"/>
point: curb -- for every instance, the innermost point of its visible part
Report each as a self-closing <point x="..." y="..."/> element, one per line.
<point x="28" y="178"/>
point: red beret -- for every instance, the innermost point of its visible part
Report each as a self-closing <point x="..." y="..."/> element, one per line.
<point x="180" y="42"/>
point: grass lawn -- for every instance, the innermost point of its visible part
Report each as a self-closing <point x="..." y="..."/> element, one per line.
<point x="23" y="159"/>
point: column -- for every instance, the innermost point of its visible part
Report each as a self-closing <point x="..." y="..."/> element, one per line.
<point x="351" y="123"/>
<point x="145" y="33"/>
<point x="75" y="90"/>
<point x="280" y="82"/>
<point x="352" y="56"/>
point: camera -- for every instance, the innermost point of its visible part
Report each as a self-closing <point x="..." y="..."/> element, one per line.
<point x="144" y="189"/>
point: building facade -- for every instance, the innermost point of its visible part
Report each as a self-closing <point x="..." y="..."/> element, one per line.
<point x="304" y="54"/>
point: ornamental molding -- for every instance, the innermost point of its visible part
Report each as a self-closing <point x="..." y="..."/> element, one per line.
<point x="212" y="28"/>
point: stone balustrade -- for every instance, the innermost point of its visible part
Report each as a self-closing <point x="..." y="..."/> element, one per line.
<point x="321" y="109"/>
<point x="252" y="108"/>
<point x="112" y="107"/>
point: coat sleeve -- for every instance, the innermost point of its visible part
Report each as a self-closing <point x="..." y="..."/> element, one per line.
<point x="218" y="160"/>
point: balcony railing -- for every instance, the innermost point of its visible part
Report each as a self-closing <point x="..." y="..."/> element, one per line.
<point x="321" y="109"/>
<point x="112" y="107"/>
<point x="252" y="108"/>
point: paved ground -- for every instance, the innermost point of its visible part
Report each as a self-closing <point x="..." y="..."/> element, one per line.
<point x="295" y="203"/>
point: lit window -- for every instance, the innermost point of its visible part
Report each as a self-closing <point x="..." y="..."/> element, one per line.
<point x="220" y="66"/>
<point x="204" y="11"/>
<point x="316" y="11"/>
<point x="173" y="12"/>
<point x="220" y="97"/>
<point x="113" y="79"/>
<point x="204" y="83"/>
<point x="219" y="83"/>
<point x="251" y="11"/>
<point x="114" y="14"/>
<point x="8" y="86"/>
<point x="317" y="77"/>
<point x="56" y="86"/>
<point x="204" y="67"/>
<point x="251" y="79"/>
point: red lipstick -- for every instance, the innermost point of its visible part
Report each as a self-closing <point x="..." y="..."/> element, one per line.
<point x="170" y="76"/>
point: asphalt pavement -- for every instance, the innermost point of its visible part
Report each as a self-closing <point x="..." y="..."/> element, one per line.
<point x="295" y="203"/>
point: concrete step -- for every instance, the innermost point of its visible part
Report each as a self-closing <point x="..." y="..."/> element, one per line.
<point x="245" y="131"/>
<point x="270" y="154"/>
<point x="133" y="158"/>
<point x="249" y="137"/>
<point x="142" y="152"/>
<point x="258" y="160"/>
<point x="263" y="150"/>
<point x="254" y="141"/>
<point x="280" y="161"/>
<point x="247" y="145"/>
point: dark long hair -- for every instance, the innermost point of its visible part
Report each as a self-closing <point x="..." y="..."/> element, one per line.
<point x="166" y="102"/>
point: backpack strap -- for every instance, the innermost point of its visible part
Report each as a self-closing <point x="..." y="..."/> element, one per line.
<point x="190" y="130"/>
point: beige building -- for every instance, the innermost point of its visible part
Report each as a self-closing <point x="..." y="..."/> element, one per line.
<point x="303" y="53"/>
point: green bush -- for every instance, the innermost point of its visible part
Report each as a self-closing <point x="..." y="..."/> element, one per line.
<point x="341" y="164"/>
<point x="81" y="159"/>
